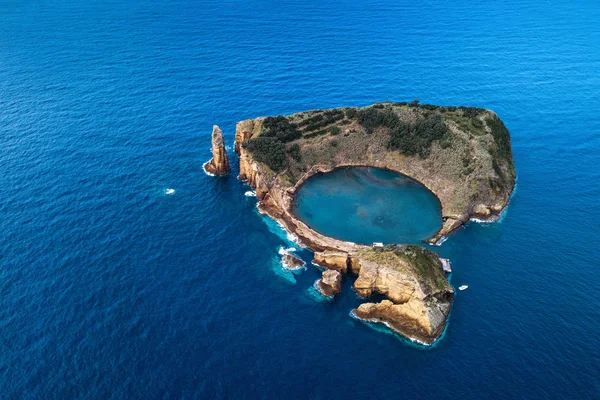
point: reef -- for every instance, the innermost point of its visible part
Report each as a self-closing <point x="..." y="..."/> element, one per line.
<point x="462" y="154"/>
<point x="219" y="164"/>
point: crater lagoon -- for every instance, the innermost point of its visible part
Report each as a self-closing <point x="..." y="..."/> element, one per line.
<point x="366" y="205"/>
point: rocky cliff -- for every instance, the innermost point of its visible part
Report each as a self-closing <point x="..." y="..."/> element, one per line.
<point x="219" y="164"/>
<point x="411" y="278"/>
<point x="419" y="297"/>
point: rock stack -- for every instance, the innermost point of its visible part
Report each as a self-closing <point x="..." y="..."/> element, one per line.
<point x="219" y="165"/>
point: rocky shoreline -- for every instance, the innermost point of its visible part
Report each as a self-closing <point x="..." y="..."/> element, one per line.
<point x="418" y="297"/>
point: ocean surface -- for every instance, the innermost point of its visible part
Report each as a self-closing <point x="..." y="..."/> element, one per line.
<point x="366" y="205"/>
<point x="111" y="288"/>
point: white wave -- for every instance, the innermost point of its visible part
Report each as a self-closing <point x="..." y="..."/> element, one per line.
<point x="283" y="250"/>
<point x="250" y="193"/>
<point x="315" y="293"/>
<point x="440" y="241"/>
<point x="497" y="218"/>
<point x="490" y="220"/>
<point x="169" y="191"/>
<point x="204" y="169"/>
<point x="283" y="273"/>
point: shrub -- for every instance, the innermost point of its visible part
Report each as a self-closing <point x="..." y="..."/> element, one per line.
<point x="268" y="150"/>
<point x="418" y="138"/>
<point x="281" y="128"/>
<point x="370" y="118"/>
<point x="294" y="152"/>
<point x="321" y="119"/>
<point x="470" y="112"/>
<point x="501" y="137"/>
<point x="351" y="113"/>
<point x="335" y="130"/>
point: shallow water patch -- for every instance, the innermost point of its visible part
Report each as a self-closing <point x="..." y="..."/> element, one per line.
<point x="366" y="205"/>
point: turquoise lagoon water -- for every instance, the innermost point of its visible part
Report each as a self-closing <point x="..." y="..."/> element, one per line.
<point x="110" y="288"/>
<point x="366" y="205"/>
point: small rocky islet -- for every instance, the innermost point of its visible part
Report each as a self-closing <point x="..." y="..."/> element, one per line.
<point x="461" y="154"/>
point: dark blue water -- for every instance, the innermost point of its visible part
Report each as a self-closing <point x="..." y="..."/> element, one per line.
<point x="109" y="288"/>
<point x="366" y="205"/>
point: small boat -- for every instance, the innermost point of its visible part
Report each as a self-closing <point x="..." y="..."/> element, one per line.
<point x="462" y="287"/>
<point x="169" y="191"/>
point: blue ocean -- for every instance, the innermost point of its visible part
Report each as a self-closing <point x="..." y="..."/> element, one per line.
<point x="110" y="288"/>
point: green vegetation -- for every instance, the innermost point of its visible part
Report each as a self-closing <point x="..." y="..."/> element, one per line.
<point x="281" y="128"/>
<point x="501" y="137"/>
<point x="268" y="150"/>
<point x="294" y="152"/>
<point x="321" y="119"/>
<point x="289" y="143"/>
<point x="425" y="263"/>
<point x="418" y="138"/>
<point x="408" y="138"/>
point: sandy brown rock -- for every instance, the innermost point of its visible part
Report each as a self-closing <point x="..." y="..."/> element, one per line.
<point x="449" y="226"/>
<point x="219" y="164"/>
<point x="330" y="283"/>
<point x="354" y="265"/>
<point x="412" y="278"/>
<point x="292" y="262"/>
<point x="411" y="319"/>
<point x="332" y="260"/>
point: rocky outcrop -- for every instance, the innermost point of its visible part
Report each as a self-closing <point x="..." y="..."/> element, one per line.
<point x="419" y="297"/>
<point x="291" y="262"/>
<point x="219" y="164"/>
<point x="332" y="260"/>
<point x="330" y="283"/>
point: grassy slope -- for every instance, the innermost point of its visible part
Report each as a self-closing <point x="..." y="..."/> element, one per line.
<point x="414" y="260"/>
<point x="473" y="154"/>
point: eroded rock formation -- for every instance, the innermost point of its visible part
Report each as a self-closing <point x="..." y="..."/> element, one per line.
<point x="292" y="262"/>
<point x="419" y="297"/>
<point x="219" y="164"/>
<point x="330" y="283"/>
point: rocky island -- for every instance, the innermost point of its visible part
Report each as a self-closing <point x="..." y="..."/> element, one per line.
<point x="219" y="164"/>
<point x="462" y="154"/>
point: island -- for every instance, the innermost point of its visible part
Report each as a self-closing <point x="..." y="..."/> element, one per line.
<point x="461" y="154"/>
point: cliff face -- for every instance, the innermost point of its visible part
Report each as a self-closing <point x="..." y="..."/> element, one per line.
<point x="219" y="164"/>
<point x="330" y="283"/>
<point x="419" y="297"/>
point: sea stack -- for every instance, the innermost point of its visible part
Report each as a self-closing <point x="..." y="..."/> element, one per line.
<point x="219" y="165"/>
<point x="330" y="283"/>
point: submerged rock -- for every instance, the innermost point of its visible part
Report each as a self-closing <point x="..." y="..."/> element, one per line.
<point x="330" y="283"/>
<point x="219" y="164"/>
